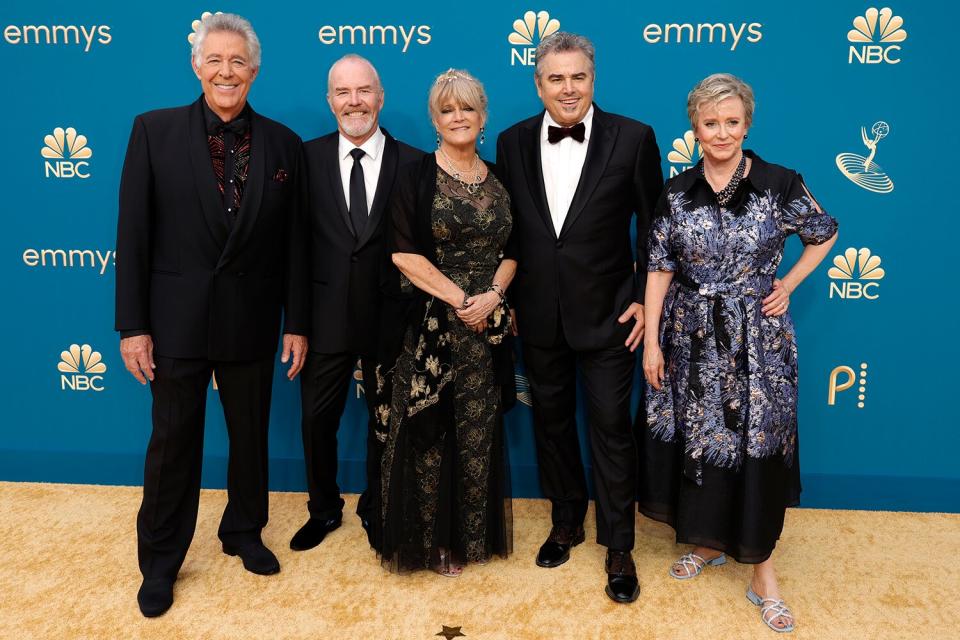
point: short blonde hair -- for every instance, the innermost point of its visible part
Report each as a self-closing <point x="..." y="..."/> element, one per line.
<point x="715" y="88"/>
<point x="458" y="86"/>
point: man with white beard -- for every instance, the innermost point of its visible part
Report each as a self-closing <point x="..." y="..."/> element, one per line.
<point x="350" y="175"/>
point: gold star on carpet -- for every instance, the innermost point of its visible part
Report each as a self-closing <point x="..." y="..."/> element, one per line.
<point x="451" y="632"/>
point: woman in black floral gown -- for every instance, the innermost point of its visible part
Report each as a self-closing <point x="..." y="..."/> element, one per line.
<point x="447" y="374"/>
<point x="719" y="451"/>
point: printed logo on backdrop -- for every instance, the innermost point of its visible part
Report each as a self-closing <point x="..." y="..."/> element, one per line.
<point x="856" y="274"/>
<point x="862" y="170"/>
<point x="704" y="33"/>
<point x="685" y="154"/>
<point x="58" y="34"/>
<point x="527" y="34"/>
<point x="65" y="154"/>
<point x="874" y="35"/>
<point x="523" y="389"/>
<point x="358" y="378"/>
<point x="376" y="35"/>
<point x="843" y="378"/>
<point x="81" y="369"/>
<point x="93" y="259"/>
<point x="196" y="25"/>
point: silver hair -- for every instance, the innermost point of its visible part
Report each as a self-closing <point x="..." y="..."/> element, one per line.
<point x="564" y="41"/>
<point x="227" y="22"/>
<point x="715" y="88"/>
<point x="358" y="58"/>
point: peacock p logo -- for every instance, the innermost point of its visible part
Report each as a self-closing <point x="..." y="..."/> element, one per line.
<point x="686" y="152"/>
<point x="66" y="154"/>
<point x="856" y="274"/>
<point x="527" y="34"/>
<point x="874" y="37"/>
<point x="81" y="369"/>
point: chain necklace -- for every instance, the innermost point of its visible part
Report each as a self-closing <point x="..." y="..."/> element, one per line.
<point x="472" y="187"/>
<point x="726" y="194"/>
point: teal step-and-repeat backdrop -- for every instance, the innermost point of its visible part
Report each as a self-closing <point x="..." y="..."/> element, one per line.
<point x="860" y="98"/>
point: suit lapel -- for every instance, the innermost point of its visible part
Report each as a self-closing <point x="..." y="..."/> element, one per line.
<point x="332" y="155"/>
<point x="533" y="168"/>
<point x="252" y="190"/>
<point x="206" y="180"/>
<point x="603" y="134"/>
<point x="388" y="169"/>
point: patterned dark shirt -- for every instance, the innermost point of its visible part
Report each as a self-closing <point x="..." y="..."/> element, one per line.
<point x="229" y="139"/>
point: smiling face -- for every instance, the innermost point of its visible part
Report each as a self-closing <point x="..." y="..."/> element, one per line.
<point x="225" y="73"/>
<point x="355" y="98"/>
<point x="458" y="124"/>
<point x="565" y="85"/>
<point x="721" y="128"/>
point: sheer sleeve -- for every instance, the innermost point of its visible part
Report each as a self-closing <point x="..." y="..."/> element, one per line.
<point x="802" y="215"/>
<point x="660" y="250"/>
<point x="403" y="213"/>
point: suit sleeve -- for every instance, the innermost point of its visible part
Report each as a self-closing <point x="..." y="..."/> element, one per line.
<point x="297" y="294"/>
<point x="647" y="185"/>
<point x="134" y="225"/>
<point x="402" y="232"/>
<point x="511" y="249"/>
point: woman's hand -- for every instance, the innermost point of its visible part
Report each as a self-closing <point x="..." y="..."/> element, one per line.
<point x="653" y="365"/>
<point x="479" y="308"/>
<point x="777" y="302"/>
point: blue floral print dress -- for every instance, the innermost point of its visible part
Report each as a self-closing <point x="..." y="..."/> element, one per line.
<point x="719" y="445"/>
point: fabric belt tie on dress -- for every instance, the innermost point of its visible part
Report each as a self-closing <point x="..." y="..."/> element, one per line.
<point x="725" y="310"/>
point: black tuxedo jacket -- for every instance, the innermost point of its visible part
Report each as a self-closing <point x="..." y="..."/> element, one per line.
<point x="201" y="285"/>
<point x="586" y="274"/>
<point x="348" y="272"/>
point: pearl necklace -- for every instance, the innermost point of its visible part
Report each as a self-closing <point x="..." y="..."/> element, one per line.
<point x="726" y="194"/>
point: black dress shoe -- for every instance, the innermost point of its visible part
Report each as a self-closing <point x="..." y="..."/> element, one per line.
<point x="556" y="550"/>
<point x="313" y="533"/>
<point x="622" y="584"/>
<point x="256" y="557"/>
<point x="367" y="527"/>
<point x="155" y="596"/>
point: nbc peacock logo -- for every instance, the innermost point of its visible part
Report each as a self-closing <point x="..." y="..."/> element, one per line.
<point x="196" y="25"/>
<point x="527" y="34"/>
<point x="686" y="152"/>
<point x="81" y="369"/>
<point x="66" y="154"/>
<point x="874" y="37"/>
<point x="862" y="170"/>
<point x="523" y="389"/>
<point x="855" y="274"/>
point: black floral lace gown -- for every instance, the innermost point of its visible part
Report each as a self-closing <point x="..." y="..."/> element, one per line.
<point x="444" y="483"/>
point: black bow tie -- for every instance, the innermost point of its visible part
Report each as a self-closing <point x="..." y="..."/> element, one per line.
<point x="238" y="126"/>
<point x="555" y="134"/>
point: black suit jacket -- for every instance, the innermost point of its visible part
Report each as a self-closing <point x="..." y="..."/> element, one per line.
<point x="347" y="272"/>
<point x="586" y="274"/>
<point x="204" y="287"/>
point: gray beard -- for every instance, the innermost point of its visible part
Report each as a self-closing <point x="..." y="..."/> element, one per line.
<point x="360" y="129"/>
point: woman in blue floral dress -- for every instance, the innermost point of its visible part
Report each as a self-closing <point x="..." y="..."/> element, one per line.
<point x="719" y="450"/>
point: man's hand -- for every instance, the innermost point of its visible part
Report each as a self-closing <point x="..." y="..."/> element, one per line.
<point x="635" y="311"/>
<point x="297" y="345"/>
<point x="137" y="354"/>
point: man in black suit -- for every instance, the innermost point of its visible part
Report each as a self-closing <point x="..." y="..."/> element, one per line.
<point x="211" y="252"/>
<point x="577" y="176"/>
<point x="350" y="174"/>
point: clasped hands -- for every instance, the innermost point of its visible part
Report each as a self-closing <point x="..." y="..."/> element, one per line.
<point x="477" y="309"/>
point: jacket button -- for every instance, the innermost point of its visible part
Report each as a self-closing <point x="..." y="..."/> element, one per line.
<point x="559" y="244"/>
<point x="240" y="274"/>
<point x="354" y="259"/>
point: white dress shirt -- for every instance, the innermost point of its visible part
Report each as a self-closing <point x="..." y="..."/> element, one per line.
<point x="371" y="161"/>
<point x="562" y="164"/>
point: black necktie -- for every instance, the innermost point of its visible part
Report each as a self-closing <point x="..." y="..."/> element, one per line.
<point x="358" y="194"/>
<point x="555" y="134"/>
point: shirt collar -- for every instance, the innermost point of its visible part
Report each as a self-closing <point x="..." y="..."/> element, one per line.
<point x="372" y="147"/>
<point x="550" y="122"/>
<point x="213" y="121"/>
<point x="759" y="172"/>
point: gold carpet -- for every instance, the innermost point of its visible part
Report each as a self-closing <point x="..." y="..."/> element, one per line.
<point x="68" y="569"/>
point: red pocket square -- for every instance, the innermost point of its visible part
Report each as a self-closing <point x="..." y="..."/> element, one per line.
<point x="280" y="176"/>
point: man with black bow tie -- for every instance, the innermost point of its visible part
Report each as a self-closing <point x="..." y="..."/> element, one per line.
<point x="350" y="174"/>
<point x="577" y="176"/>
<point x="211" y="252"/>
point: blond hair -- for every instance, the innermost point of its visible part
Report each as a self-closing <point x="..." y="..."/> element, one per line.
<point x="718" y="87"/>
<point x="459" y="87"/>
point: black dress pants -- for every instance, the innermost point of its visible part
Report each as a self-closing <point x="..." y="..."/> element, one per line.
<point x="171" y="480"/>
<point x="607" y="376"/>
<point x="324" y="385"/>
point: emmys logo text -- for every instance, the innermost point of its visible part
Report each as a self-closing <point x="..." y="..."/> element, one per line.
<point x="874" y="35"/>
<point x="856" y="274"/>
<point x="94" y="259"/>
<point x="862" y="170"/>
<point x="527" y="34"/>
<point x="843" y="378"/>
<point x="58" y="34"/>
<point x="66" y="154"/>
<point x="686" y="153"/>
<point x="81" y="369"/>
<point x="375" y="35"/>
<point x="703" y="33"/>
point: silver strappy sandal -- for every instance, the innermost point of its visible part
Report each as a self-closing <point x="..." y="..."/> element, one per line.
<point x="693" y="564"/>
<point x="770" y="610"/>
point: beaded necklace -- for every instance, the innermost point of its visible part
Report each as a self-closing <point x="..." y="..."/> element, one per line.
<point x="726" y="194"/>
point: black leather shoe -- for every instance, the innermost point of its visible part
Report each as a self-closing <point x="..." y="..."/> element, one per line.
<point x="622" y="585"/>
<point x="256" y="557"/>
<point x="313" y="533"/>
<point x="366" y="527"/>
<point x="155" y="596"/>
<point x="556" y="550"/>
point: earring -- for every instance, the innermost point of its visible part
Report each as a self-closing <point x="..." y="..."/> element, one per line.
<point x="483" y="135"/>
<point x="696" y="139"/>
<point x="745" y="136"/>
<point x="438" y="139"/>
